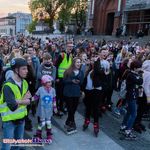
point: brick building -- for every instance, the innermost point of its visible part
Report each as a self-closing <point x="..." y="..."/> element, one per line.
<point x="137" y="16"/>
<point x="107" y="16"/>
<point x="111" y="14"/>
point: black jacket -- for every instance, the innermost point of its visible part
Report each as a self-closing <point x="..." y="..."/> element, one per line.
<point x="133" y="81"/>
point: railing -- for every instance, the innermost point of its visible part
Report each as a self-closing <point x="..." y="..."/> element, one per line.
<point x="138" y="19"/>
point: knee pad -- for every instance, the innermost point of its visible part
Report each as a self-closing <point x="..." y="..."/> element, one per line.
<point x="43" y="123"/>
<point x="48" y="123"/>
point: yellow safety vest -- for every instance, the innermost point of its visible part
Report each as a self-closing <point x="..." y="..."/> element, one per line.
<point x="21" y="111"/>
<point x="64" y="65"/>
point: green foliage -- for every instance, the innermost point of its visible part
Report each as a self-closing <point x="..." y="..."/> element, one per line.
<point x="50" y="23"/>
<point x="32" y="25"/>
<point x="80" y="12"/>
<point x="63" y="10"/>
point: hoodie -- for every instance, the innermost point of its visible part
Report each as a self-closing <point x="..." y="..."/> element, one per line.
<point x="47" y="69"/>
<point x="146" y="79"/>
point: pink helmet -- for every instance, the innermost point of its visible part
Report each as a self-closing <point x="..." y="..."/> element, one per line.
<point x="46" y="78"/>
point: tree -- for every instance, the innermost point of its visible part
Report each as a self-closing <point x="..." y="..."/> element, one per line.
<point x="80" y="8"/>
<point x="61" y="9"/>
<point x="50" y="8"/>
<point x="32" y="25"/>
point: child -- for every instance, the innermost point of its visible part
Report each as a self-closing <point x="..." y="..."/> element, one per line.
<point x="47" y="67"/>
<point x="47" y="102"/>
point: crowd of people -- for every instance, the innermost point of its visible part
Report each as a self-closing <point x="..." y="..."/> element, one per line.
<point x="48" y="77"/>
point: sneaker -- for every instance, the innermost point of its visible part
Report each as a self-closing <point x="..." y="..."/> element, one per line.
<point x="117" y="111"/>
<point x="123" y="111"/>
<point x="130" y="135"/>
<point x="70" y="130"/>
<point x="122" y="129"/>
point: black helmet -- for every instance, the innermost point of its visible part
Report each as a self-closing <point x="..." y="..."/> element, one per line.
<point x="18" y="62"/>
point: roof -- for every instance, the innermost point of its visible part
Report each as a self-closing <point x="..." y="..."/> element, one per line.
<point x="41" y="23"/>
<point x="8" y="17"/>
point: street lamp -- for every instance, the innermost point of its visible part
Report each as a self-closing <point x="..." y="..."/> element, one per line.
<point x="66" y="29"/>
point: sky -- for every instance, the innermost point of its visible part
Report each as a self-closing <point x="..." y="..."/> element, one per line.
<point x="10" y="6"/>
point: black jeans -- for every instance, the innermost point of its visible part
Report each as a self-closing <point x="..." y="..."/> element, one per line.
<point x="92" y="101"/>
<point x="59" y="93"/>
<point x="142" y="107"/>
<point x="72" y="104"/>
<point x="106" y="97"/>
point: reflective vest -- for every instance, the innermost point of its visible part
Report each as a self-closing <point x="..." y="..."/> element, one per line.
<point x="21" y="111"/>
<point x="65" y="64"/>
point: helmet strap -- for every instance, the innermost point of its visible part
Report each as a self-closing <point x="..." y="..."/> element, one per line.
<point x="18" y="73"/>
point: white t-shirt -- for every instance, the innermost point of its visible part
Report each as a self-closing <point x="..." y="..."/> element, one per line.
<point x="18" y="83"/>
<point x="76" y="72"/>
<point x="105" y="65"/>
<point x="89" y="85"/>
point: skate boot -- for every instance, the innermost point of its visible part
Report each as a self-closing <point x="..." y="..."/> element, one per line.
<point x="38" y="134"/>
<point x="49" y="136"/>
<point x="137" y="128"/>
<point x="96" y="129"/>
<point x="86" y="124"/>
<point x="129" y="135"/>
<point x="122" y="129"/>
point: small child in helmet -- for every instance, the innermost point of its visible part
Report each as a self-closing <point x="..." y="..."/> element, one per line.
<point x="47" y="103"/>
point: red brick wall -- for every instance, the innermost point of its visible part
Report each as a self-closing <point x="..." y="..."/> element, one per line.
<point x="102" y="8"/>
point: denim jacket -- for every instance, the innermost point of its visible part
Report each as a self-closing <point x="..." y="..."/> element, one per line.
<point x="72" y="89"/>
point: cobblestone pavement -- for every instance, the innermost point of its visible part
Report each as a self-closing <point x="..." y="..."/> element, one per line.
<point x="108" y="137"/>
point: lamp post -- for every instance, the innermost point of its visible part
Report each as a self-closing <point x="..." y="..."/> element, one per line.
<point x="66" y="28"/>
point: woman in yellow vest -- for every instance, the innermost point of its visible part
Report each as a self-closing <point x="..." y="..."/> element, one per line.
<point x="15" y="98"/>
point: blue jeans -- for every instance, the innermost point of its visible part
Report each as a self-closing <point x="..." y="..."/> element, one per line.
<point x="12" y="131"/>
<point x="131" y="114"/>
